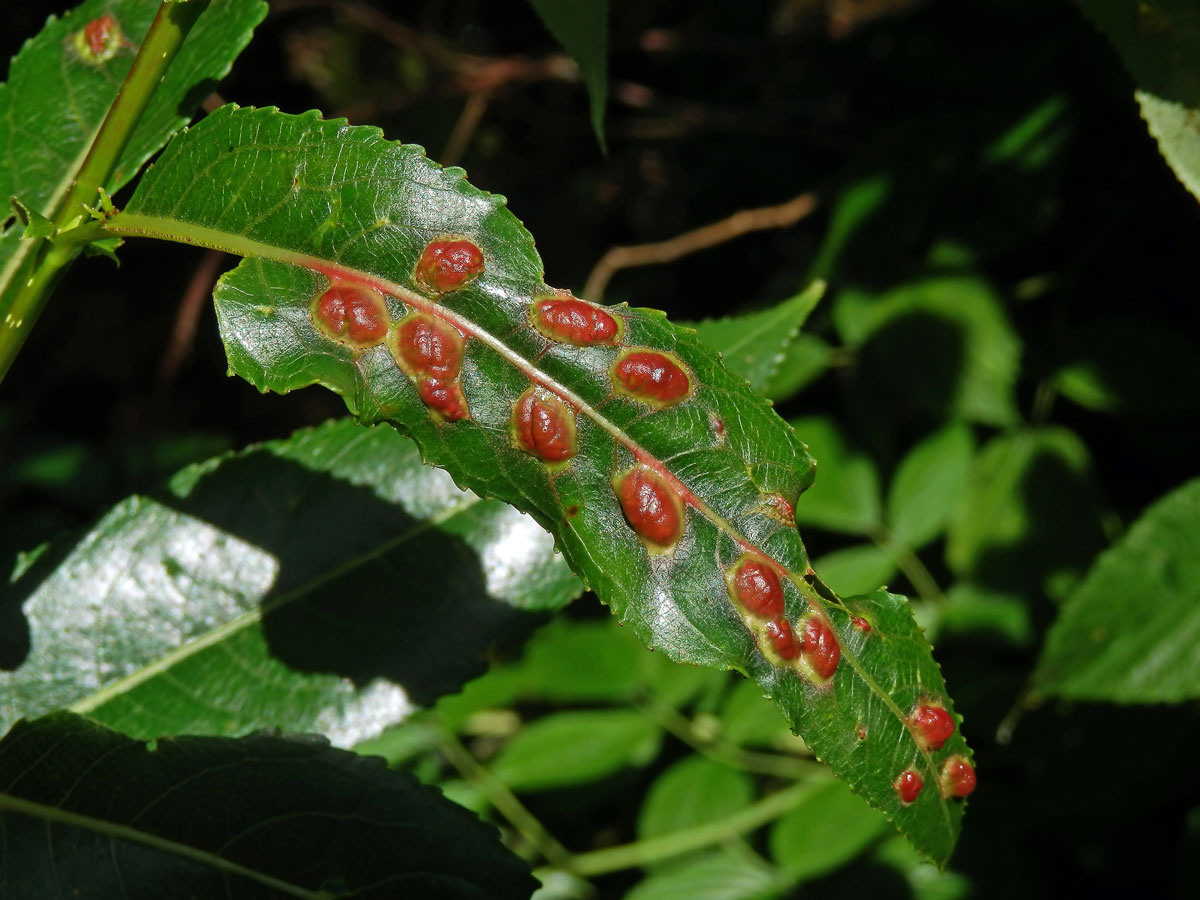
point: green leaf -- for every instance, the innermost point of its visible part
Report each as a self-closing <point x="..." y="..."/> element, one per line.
<point x="581" y="26"/>
<point x="925" y="882"/>
<point x="950" y="338"/>
<point x="91" y="814"/>
<point x="929" y="482"/>
<point x="856" y="570"/>
<point x="854" y="208"/>
<point x="575" y="747"/>
<point x="707" y="471"/>
<point x="1130" y="633"/>
<point x="805" y="360"/>
<point x="694" y="791"/>
<point x="1132" y="366"/>
<point x="846" y="494"/>
<point x="1159" y="42"/>
<point x="754" y="345"/>
<point x="713" y="876"/>
<point x="749" y="722"/>
<point x="581" y="662"/>
<point x="823" y="832"/>
<point x="288" y="585"/>
<point x="55" y="99"/>
<point x="1029" y="516"/>
<point x="971" y="610"/>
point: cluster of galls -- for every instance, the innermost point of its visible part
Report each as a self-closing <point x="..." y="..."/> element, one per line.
<point x="429" y="351"/>
<point x="932" y="726"/>
<point x="756" y="590"/>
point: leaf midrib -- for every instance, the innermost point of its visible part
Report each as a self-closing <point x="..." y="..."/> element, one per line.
<point x="164" y="228"/>
<point x="115" y="830"/>
<point x="215" y="636"/>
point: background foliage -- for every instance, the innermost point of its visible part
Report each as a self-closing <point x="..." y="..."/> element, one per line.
<point x="997" y="384"/>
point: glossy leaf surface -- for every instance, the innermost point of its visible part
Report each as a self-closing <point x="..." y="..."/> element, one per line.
<point x="284" y="586"/>
<point x="58" y="92"/>
<point x="1131" y="631"/>
<point x="677" y="473"/>
<point x="89" y="813"/>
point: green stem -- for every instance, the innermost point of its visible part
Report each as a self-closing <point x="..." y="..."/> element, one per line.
<point x="640" y="853"/>
<point x="723" y="751"/>
<point x="171" y="25"/>
<point x="505" y="802"/>
<point x="910" y="564"/>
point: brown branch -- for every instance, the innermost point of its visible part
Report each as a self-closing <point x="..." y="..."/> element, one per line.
<point x="183" y="332"/>
<point x="741" y="222"/>
<point x="464" y="128"/>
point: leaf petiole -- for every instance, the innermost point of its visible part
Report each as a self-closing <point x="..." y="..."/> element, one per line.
<point x="171" y="25"/>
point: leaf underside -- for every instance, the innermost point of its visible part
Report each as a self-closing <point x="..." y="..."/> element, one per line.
<point x="91" y="814"/>
<point x="316" y="205"/>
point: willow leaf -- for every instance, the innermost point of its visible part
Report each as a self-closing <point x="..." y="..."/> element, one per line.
<point x="666" y="482"/>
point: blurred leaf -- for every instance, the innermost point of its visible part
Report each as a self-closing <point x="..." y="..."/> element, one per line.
<point x="714" y="876"/>
<point x="1159" y="42"/>
<point x="805" y="359"/>
<point x="856" y="570"/>
<point x="694" y="791"/>
<point x="1030" y="513"/>
<point x="971" y="610"/>
<point x="1131" y="632"/>
<point x="845" y="495"/>
<point x="857" y="203"/>
<point x="581" y="26"/>
<point x="89" y="813"/>
<point x="287" y="586"/>
<point x="754" y="345"/>
<point x="1034" y="140"/>
<point x="942" y="346"/>
<point x="929" y="482"/>
<point x="582" y="662"/>
<point x="749" y="722"/>
<point x="925" y="880"/>
<point x="824" y="831"/>
<point x="574" y="747"/>
<point x="1132" y="365"/>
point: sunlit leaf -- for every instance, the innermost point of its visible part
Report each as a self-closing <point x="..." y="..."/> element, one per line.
<point x="288" y="586"/>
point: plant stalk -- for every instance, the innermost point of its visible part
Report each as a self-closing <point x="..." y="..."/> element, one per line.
<point x="640" y="853"/>
<point x="171" y="25"/>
